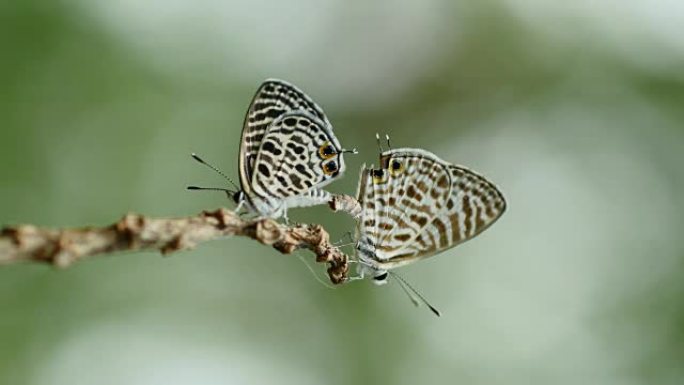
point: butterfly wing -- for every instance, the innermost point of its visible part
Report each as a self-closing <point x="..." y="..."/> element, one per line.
<point x="401" y="201"/>
<point x="298" y="153"/>
<point x="425" y="205"/>
<point x="366" y="229"/>
<point x="273" y="99"/>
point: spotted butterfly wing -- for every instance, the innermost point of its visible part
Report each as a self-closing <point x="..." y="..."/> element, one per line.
<point x="298" y="155"/>
<point x="416" y="205"/>
<point x="273" y="99"/>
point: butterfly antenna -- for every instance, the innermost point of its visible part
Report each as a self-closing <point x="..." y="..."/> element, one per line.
<point x="225" y="190"/>
<point x="313" y="272"/>
<point x="388" y="142"/>
<point x="410" y="296"/>
<point x="413" y="293"/>
<point x="352" y="151"/>
<point x="347" y="234"/>
<point x="202" y="161"/>
<point x="377" y="140"/>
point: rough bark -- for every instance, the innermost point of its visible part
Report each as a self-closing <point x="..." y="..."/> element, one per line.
<point x="134" y="232"/>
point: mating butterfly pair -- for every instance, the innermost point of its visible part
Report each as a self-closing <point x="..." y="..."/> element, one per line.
<point x="412" y="207"/>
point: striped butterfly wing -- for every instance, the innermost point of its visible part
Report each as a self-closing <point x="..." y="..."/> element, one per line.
<point x="366" y="229"/>
<point x="273" y="99"/>
<point x="402" y="197"/>
<point x="298" y="153"/>
<point x="425" y="205"/>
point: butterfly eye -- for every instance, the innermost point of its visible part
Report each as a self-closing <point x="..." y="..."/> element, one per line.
<point x="327" y="151"/>
<point x="330" y="168"/>
<point x="396" y="167"/>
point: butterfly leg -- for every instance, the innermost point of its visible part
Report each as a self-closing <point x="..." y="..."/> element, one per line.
<point x="341" y="243"/>
<point x="354" y="278"/>
<point x="239" y="209"/>
<point x="281" y="212"/>
<point x="240" y="206"/>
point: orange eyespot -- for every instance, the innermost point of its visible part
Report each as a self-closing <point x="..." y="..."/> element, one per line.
<point x="379" y="176"/>
<point x="327" y="151"/>
<point x="396" y="167"/>
<point x="330" y="168"/>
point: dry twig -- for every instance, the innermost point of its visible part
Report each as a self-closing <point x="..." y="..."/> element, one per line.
<point x="62" y="247"/>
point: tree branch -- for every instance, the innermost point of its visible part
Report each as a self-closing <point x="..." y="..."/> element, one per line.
<point x="134" y="232"/>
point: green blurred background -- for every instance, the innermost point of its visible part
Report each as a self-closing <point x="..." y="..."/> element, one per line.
<point x="575" y="110"/>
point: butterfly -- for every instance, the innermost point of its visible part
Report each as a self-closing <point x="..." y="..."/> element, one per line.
<point x="288" y="152"/>
<point x="417" y="205"/>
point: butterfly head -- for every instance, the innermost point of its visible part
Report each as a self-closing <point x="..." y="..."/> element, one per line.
<point x="238" y="196"/>
<point x="380" y="277"/>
